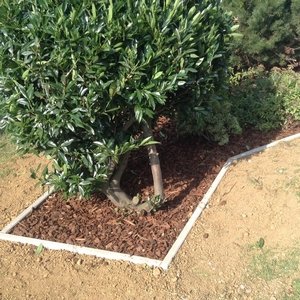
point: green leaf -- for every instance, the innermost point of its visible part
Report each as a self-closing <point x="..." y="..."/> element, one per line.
<point x="85" y="183"/>
<point x="39" y="249"/>
<point x="25" y="74"/>
<point x="22" y="101"/>
<point x="65" y="168"/>
<point x="158" y="74"/>
<point x="200" y="61"/>
<point x="192" y="11"/>
<point x="110" y="11"/>
<point x="148" y="141"/>
<point x="260" y="243"/>
<point x="94" y="12"/>
<point x="67" y="143"/>
<point x="99" y="143"/>
<point x="90" y="159"/>
<point x="236" y="35"/>
<point x="71" y="127"/>
<point x="30" y="91"/>
<point x="234" y="27"/>
<point x="51" y="144"/>
<point x="138" y="113"/>
<point x="33" y="173"/>
<point x="196" y="18"/>
<point x="81" y="190"/>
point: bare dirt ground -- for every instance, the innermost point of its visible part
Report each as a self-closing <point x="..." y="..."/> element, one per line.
<point x="244" y="246"/>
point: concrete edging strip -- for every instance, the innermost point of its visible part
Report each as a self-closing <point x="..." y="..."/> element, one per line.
<point x="165" y="263"/>
<point x="80" y="250"/>
<point x="27" y="211"/>
<point x="190" y="223"/>
<point x="262" y="148"/>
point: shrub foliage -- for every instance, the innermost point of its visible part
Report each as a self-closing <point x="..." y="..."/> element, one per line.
<point x="265" y="100"/>
<point x="83" y="81"/>
<point x="271" y="31"/>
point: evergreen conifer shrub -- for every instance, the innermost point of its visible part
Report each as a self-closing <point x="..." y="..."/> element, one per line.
<point x="270" y="29"/>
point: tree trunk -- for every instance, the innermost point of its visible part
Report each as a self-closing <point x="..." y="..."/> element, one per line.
<point x="117" y="196"/>
<point x="154" y="164"/>
<point x="120" y="199"/>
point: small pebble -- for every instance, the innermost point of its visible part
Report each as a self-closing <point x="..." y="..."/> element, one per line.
<point x="156" y="272"/>
<point x="205" y="235"/>
<point x="79" y="262"/>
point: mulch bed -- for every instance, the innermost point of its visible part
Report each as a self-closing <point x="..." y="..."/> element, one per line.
<point x="189" y="166"/>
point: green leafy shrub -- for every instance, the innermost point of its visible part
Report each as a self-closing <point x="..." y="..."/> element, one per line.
<point x="212" y="119"/>
<point x="83" y="81"/>
<point x="265" y="100"/>
<point x="204" y="109"/>
<point x="288" y="89"/>
<point x="271" y="31"/>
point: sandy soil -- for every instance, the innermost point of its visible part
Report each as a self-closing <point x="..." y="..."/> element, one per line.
<point x="17" y="188"/>
<point x="250" y="226"/>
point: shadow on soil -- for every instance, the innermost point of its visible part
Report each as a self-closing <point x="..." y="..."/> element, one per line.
<point x="190" y="164"/>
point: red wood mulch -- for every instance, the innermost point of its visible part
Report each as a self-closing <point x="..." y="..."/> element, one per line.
<point x="189" y="166"/>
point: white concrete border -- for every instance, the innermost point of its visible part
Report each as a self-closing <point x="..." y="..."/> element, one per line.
<point x="27" y="211"/>
<point x="165" y="263"/>
<point x="80" y="250"/>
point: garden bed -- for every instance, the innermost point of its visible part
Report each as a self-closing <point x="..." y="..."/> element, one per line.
<point x="189" y="167"/>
